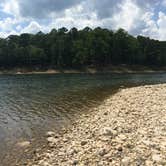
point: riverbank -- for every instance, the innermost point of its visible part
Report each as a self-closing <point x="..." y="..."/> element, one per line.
<point x="92" y="70"/>
<point x="129" y="128"/>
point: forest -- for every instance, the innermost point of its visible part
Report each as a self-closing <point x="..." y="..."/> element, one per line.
<point x="75" y="48"/>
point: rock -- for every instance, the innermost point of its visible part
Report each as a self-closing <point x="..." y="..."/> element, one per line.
<point x="126" y="161"/>
<point x="107" y="131"/>
<point x="75" y="162"/>
<point x="122" y="137"/>
<point x="149" y="163"/>
<point x="105" y="113"/>
<point x="157" y="158"/>
<point x="102" y="152"/>
<point x="44" y="163"/>
<point x="119" y="148"/>
<point x="50" y="134"/>
<point x="65" y="140"/>
<point x="24" y="144"/>
<point x="61" y="154"/>
<point x="52" y="140"/>
<point x="71" y="151"/>
<point x="83" y="143"/>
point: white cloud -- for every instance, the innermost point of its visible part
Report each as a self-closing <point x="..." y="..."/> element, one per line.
<point x="127" y="17"/>
<point x="76" y="16"/>
<point x="6" y="34"/>
<point x="155" y="29"/>
<point x="33" y="27"/>
<point x="11" y="7"/>
<point x="136" y="16"/>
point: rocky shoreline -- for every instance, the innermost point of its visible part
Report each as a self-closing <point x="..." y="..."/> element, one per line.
<point x="129" y="128"/>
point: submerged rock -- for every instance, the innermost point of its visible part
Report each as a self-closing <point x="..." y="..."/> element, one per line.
<point x="50" y="134"/>
<point x="23" y="144"/>
<point x="52" y="140"/>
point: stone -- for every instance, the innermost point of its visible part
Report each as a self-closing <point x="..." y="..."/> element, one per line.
<point x="148" y="163"/>
<point x="105" y="113"/>
<point x="65" y="140"/>
<point x="50" y="134"/>
<point x="75" y="162"/>
<point x="24" y="144"/>
<point x="107" y="131"/>
<point x="51" y="140"/>
<point x="122" y="137"/>
<point x="83" y="143"/>
<point x="126" y="161"/>
<point x="102" y="152"/>
<point x="157" y="158"/>
<point x="61" y="154"/>
<point x="71" y="151"/>
<point x="119" y="148"/>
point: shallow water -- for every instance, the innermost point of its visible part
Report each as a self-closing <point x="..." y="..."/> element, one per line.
<point x="33" y="104"/>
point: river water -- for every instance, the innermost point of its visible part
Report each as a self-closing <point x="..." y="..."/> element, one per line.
<point x="32" y="104"/>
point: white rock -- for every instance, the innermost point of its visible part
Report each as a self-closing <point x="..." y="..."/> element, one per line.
<point x="126" y="161"/>
<point x="50" y="134"/>
<point x="149" y="163"/>
<point x="51" y="140"/>
<point x="122" y="137"/>
<point x="23" y="144"/>
<point x="108" y="131"/>
<point x="157" y="158"/>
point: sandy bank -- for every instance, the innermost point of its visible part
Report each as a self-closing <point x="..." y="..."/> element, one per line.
<point x="129" y="128"/>
<point x="107" y="69"/>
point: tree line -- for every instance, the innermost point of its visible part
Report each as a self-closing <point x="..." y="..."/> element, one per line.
<point x="75" y="48"/>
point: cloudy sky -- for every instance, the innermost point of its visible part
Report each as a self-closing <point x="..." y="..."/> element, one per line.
<point x="145" y="17"/>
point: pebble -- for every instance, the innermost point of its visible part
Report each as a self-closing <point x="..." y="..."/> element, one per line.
<point x="50" y="134"/>
<point x="102" y="152"/>
<point x="126" y="161"/>
<point x="157" y="158"/>
<point x="52" y="140"/>
<point x="83" y="143"/>
<point x="24" y="144"/>
<point x="108" y="131"/>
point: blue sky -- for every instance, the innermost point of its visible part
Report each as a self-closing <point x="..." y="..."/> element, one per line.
<point x="138" y="17"/>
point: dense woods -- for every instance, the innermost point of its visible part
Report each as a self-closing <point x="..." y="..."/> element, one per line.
<point x="74" y="48"/>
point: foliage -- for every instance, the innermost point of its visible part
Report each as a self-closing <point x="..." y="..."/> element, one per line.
<point x="77" y="48"/>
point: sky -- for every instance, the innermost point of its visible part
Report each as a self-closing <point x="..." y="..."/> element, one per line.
<point x="138" y="17"/>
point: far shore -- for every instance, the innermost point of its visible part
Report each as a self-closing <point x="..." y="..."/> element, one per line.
<point x="120" y="69"/>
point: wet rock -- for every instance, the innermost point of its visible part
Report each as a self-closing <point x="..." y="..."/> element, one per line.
<point x="23" y="144"/>
<point x="50" y="134"/>
<point x="52" y="140"/>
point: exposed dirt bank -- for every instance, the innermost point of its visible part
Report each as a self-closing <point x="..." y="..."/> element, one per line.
<point x="92" y="70"/>
<point x="129" y="128"/>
